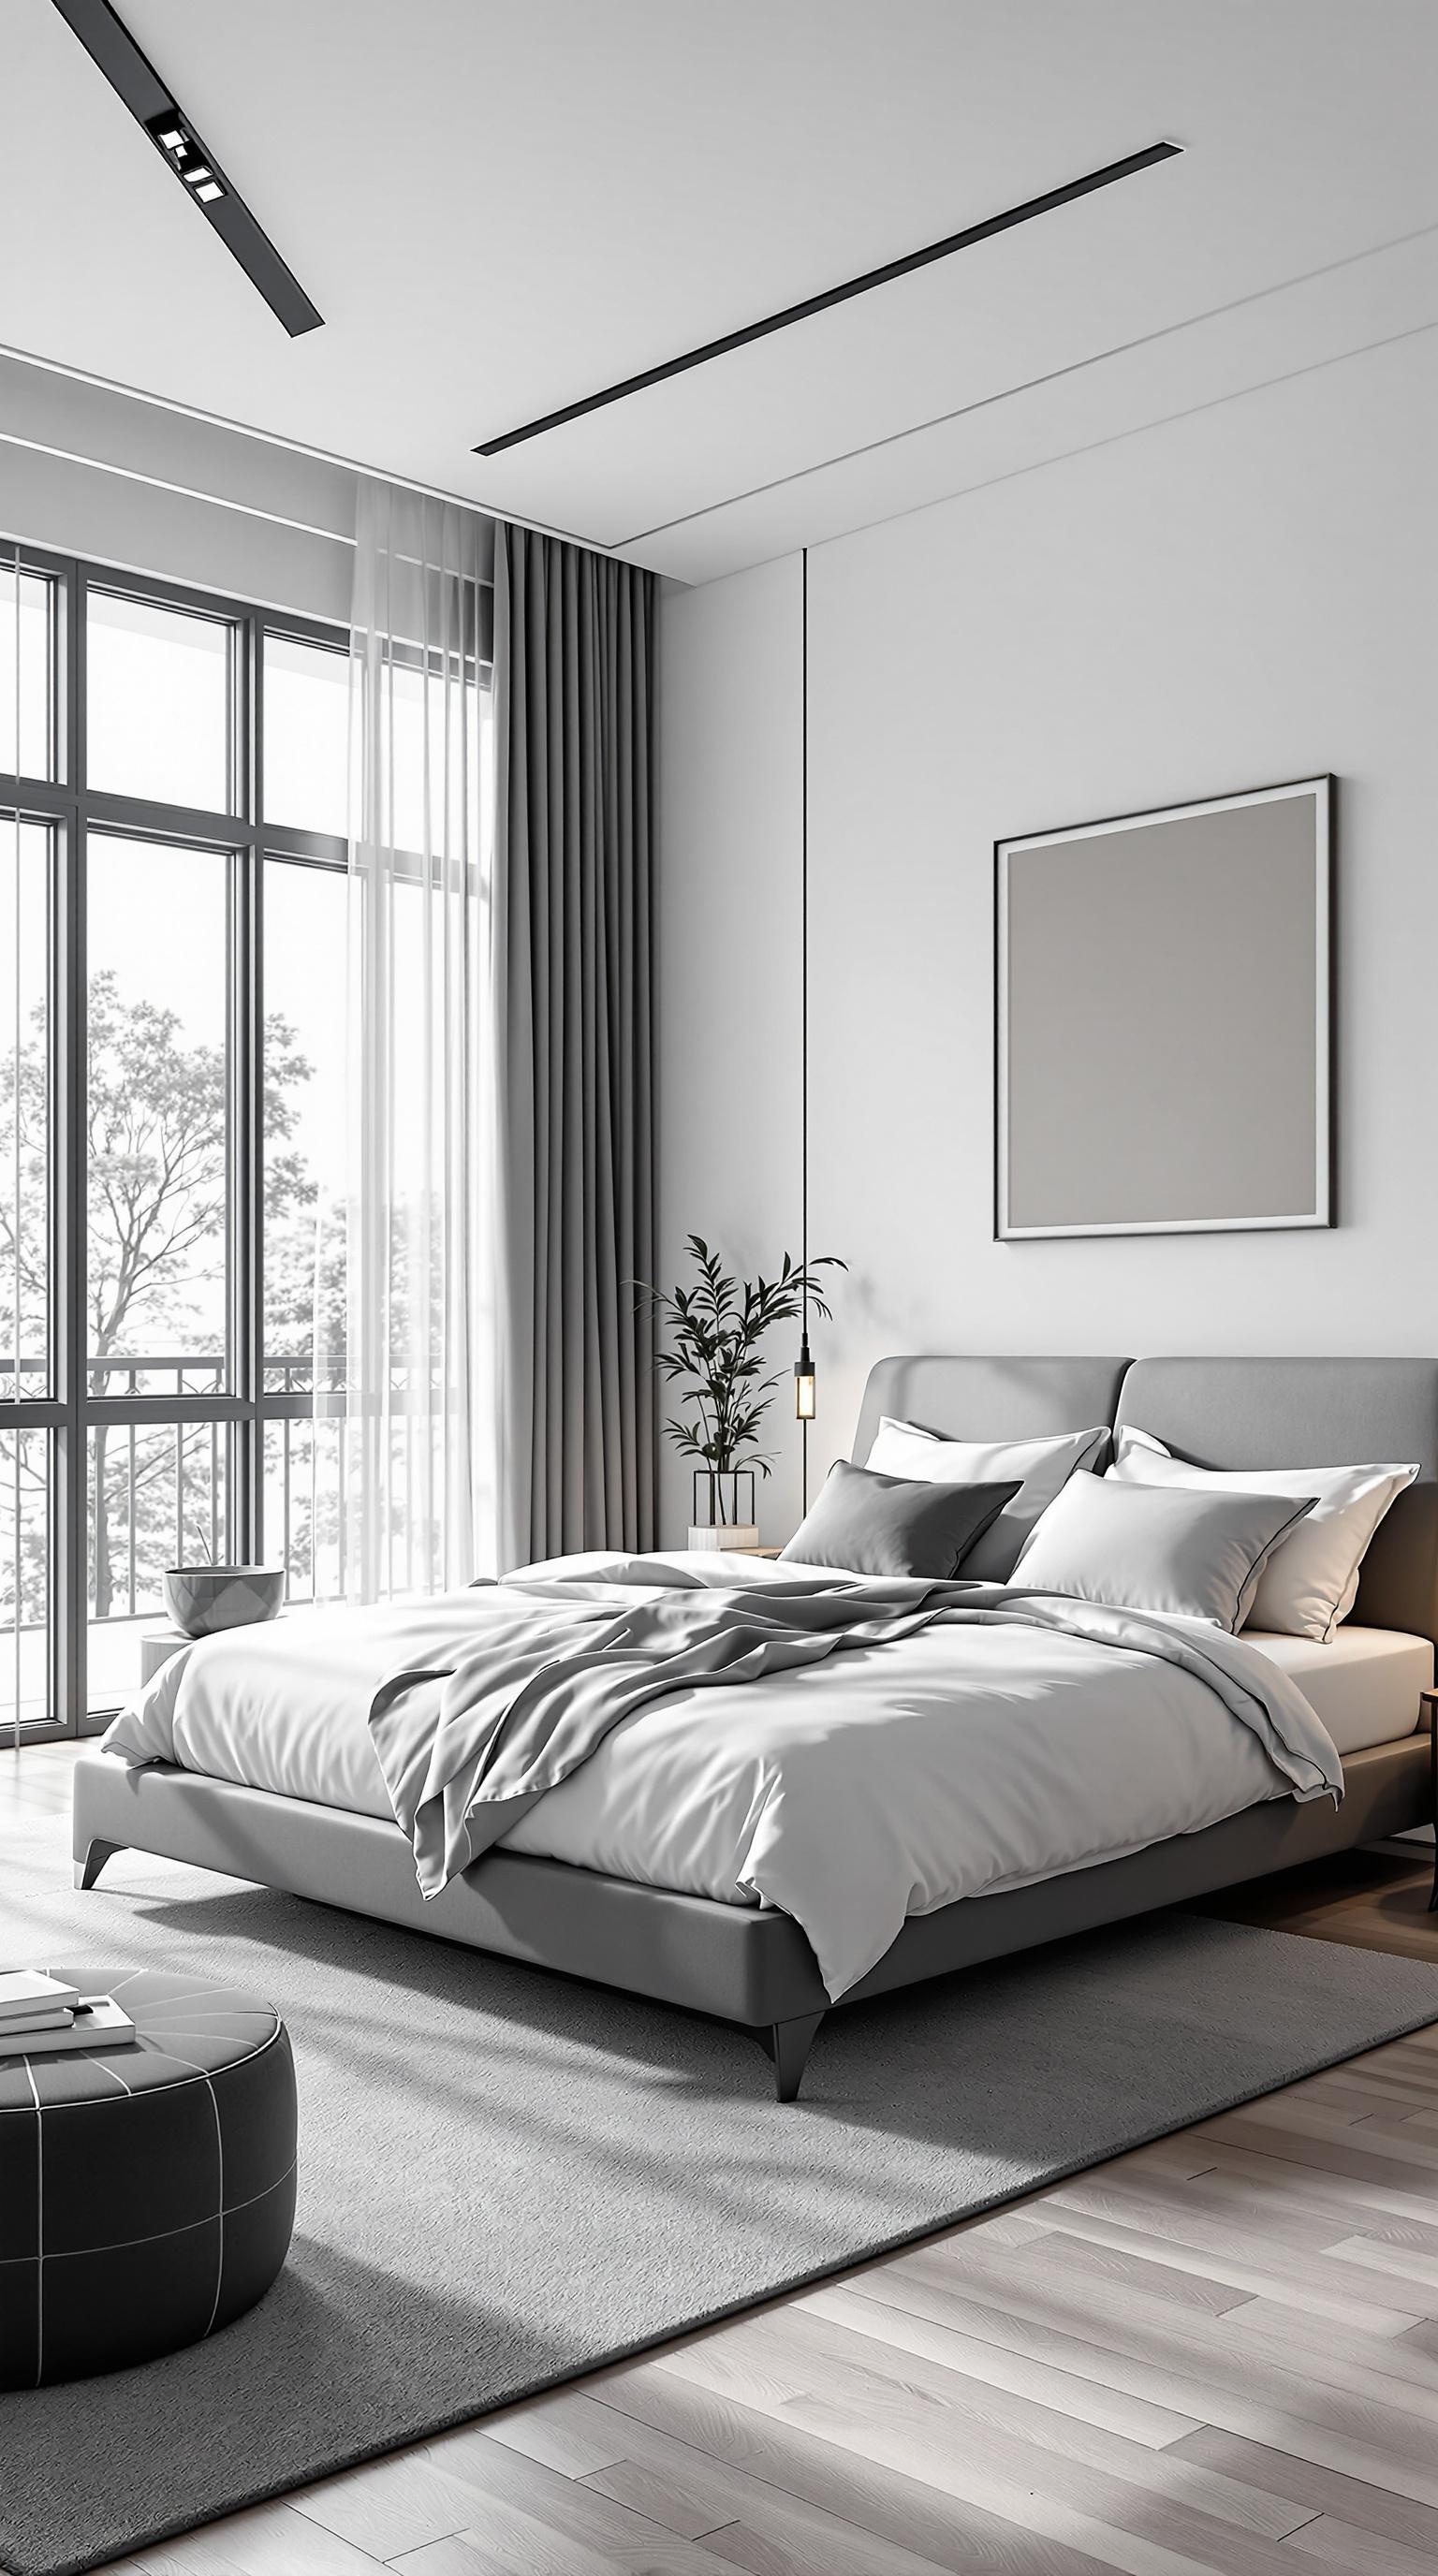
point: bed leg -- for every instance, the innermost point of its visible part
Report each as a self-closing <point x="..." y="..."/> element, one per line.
<point x="789" y="2043"/>
<point x="96" y="1855"/>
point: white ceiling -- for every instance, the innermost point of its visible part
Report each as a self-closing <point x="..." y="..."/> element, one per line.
<point x="499" y="210"/>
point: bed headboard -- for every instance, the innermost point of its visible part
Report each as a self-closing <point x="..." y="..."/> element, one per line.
<point x="989" y="1399"/>
<point x="1315" y="1413"/>
<point x="1219" y="1413"/>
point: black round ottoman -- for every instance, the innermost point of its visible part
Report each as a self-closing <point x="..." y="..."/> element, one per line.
<point x="147" y="2192"/>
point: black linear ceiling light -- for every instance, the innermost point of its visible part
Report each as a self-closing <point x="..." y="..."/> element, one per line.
<point x="1006" y="222"/>
<point x="133" y="78"/>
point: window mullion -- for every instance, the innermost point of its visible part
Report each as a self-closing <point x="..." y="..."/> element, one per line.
<point x="70" y="1531"/>
<point x="246" y="1446"/>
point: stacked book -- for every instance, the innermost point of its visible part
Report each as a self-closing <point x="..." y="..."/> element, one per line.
<point x="41" y="2015"/>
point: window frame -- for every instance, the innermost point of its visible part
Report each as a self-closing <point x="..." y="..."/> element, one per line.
<point x="68" y="804"/>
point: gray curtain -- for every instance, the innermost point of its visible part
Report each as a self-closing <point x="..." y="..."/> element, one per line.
<point x="571" y="941"/>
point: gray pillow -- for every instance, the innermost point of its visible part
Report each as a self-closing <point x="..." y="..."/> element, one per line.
<point x="1198" y="1556"/>
<point x="907" y="1449"/>
<point x="871" y="1524"/>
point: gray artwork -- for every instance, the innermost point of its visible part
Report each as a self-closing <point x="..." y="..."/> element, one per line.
<point x="1162" y="1020"/>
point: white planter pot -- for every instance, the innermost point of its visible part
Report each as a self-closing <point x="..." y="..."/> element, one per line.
<point x="726" y="1534"/>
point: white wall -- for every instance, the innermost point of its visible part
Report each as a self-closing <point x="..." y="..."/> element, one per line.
<point x="1239" y="597"/>
<point x="727" y="1065"/>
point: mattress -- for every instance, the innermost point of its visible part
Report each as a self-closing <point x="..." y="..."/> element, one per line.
<point x="1364" y="1686"/>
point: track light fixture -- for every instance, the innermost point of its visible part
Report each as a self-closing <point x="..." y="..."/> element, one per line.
<point x="134" y="79"/>
<point x="986" y="230"/>
<point x="185" y="156"/>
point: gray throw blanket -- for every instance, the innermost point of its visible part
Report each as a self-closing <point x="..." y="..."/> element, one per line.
<point x="468" y="1747"/>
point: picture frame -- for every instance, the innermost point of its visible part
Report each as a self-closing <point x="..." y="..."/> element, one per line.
<point x="1162" y="1020"/>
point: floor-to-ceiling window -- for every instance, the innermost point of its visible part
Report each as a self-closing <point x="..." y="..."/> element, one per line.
<point x="173" y="777"/>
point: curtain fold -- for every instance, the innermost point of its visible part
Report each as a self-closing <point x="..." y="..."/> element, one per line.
<point x="571" y="1022"/>
<point x="419" y="1215"/>
<point x="497" y="1392"/>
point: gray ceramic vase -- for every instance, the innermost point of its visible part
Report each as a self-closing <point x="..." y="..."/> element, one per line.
<point x="203" y="1598"/>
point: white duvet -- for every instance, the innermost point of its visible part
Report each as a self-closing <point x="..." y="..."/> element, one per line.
<point x="885" y="1782"/>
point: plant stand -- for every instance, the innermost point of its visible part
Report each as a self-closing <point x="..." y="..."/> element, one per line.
<point x="716" y="1504"/>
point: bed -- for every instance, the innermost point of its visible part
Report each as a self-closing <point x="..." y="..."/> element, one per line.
<point x="751" y="1962"/>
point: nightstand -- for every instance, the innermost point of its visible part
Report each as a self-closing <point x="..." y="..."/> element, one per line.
<point x="1428" y="1702"/>
<point x="156" y="1650"/>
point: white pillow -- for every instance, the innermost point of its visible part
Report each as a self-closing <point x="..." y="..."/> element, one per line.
<point x="1310" y="1581"/>
<point x="1187" y="1555"/>
<point x="1043" y="1468"/>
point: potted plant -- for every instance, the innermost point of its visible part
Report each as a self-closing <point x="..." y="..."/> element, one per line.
<point x="714" y="1329"/>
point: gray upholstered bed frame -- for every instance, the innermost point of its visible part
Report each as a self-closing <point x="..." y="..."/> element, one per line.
<point x="756" y="1967"/>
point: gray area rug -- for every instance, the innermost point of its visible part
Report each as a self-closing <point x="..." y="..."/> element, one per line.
<point x="507" y="2178"/>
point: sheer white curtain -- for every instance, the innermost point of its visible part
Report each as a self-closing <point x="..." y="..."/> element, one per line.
<point x="419" y="1233"/>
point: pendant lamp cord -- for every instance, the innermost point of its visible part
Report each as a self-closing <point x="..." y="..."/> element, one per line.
<point x="804" y="1002"/>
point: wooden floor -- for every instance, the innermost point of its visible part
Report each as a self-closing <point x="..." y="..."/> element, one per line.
<point x="1219" y="2354"/>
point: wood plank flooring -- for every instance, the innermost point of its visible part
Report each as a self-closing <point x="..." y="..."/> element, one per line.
<point x="1217" y="2356"/>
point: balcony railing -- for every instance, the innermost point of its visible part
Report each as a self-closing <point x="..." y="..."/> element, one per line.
<point x="157" y="1469"/>
<point x="157" y="1487"/>
<point x="304" y="1465"/>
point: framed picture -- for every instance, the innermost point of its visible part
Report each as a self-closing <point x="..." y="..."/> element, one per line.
<point x="1162" y="1020"/>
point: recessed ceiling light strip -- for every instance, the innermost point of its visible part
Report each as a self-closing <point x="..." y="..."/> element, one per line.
<point x="1031" y="208"/>
<point x="133" y="78"/>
